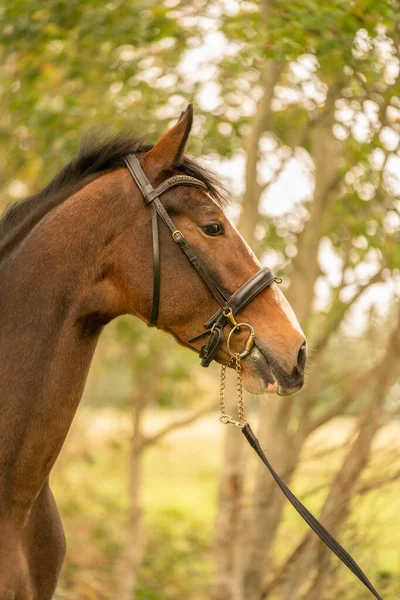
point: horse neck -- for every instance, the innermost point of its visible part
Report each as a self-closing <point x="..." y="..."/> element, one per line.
<point x="53" y="304"/>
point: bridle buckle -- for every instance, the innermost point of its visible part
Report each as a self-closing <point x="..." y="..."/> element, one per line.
<point x="176" y="233"/>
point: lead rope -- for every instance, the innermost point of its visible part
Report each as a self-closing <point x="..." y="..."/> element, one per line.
<point x="308" y="517"/>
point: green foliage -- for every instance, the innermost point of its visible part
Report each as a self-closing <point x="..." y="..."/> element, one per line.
<point x="177" y="563"/>
<point x="71" y="66"/>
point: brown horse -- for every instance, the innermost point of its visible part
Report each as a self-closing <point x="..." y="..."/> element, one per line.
<point x="72" y="258"/>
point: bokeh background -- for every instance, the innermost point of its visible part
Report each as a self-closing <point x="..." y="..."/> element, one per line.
<point x="298" y="109"/>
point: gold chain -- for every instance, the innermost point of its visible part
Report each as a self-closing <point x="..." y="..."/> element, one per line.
<point x="225" y="418"/>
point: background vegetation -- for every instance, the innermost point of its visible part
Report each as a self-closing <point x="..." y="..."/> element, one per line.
<point x="298" y="106"/>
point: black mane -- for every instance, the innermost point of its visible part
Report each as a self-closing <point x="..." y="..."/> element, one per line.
<point x="96" y="156"/>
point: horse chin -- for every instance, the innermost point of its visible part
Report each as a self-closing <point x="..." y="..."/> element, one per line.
<point x="257" y="374"/>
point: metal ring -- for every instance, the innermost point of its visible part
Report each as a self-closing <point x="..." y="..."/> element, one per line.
<point x="249" y="342"/>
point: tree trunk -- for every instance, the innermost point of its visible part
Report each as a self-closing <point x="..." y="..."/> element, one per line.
<point x="325" y="152"/>
<point x="260" y="123"/>
<point x="134" y="538"/>
<point x="144" y="394"/>
<point x="230" y="518"/>
<point x="267" y="499"/>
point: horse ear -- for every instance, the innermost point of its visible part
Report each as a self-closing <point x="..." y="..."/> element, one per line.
<point x="168" y="151"/>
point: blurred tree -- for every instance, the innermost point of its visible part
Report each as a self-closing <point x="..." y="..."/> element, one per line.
<point x="71" y="66"/>
<point x="329" y="102"/>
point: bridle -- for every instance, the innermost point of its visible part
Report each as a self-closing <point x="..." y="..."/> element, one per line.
<point x="230" y="305"/>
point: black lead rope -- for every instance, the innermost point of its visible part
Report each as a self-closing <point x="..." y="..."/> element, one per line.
<point x="309" y="518"/>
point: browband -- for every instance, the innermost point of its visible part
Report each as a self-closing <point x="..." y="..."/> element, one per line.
<point x="149" y="193"/>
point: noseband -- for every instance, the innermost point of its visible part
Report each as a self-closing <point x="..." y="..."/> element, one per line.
<point x="230" y="305"/>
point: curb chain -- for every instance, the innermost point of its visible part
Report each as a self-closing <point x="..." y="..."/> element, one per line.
<point x="225" y="418"/>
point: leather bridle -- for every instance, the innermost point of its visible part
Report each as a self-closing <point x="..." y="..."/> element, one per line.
<point x="230" y="305"/>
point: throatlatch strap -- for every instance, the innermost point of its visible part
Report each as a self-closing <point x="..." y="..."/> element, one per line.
<point x="309" y="518"/>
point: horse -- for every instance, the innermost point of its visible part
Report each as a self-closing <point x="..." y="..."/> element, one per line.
<point x="72" y="258"/>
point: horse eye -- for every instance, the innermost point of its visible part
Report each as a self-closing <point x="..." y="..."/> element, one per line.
<point x="213" y="229"/>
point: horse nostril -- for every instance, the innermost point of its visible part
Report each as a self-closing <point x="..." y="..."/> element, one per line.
<point x="302" y="356"/>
